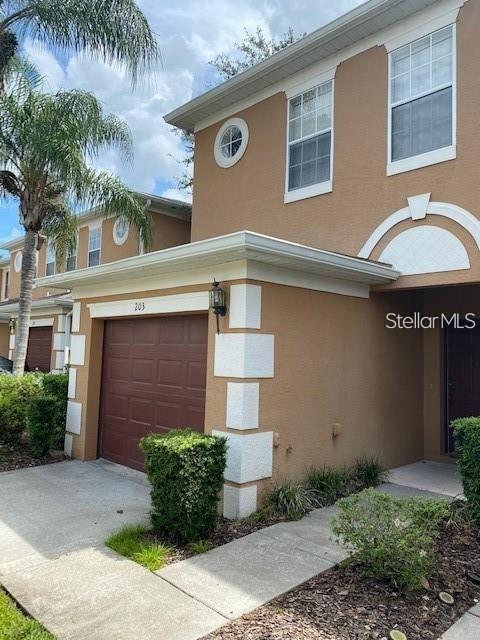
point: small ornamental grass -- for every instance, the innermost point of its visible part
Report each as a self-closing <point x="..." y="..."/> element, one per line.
<point x="185" y="469"/>
<point x="466" y="432"/>
<point x="290" y="500"/>
<point x="391" y="538"/>
<point x="134" y="542"/>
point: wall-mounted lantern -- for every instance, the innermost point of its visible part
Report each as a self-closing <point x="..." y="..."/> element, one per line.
<point x="218" y="302"/>
<point x="12" y="324"/>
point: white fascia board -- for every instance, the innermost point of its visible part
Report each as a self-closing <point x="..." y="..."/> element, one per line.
<point x="241" y="245"/>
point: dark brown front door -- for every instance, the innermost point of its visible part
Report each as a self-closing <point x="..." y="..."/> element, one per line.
<point x="462" y="376"/>
<point x="39" y="349"/>
<point x="154" y="378"/>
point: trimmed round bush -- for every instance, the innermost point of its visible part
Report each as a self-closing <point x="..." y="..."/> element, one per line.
<point x="185" y="469"/>
<point x="466" y="432"/>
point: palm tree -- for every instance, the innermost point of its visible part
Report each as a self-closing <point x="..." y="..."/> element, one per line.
<point x="111" y="30"/>
<point x="46" y="143"/>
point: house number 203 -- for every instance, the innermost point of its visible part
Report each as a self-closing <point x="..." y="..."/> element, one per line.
<point x="139" y="306"/>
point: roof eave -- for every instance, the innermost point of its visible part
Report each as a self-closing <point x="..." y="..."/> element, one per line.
<point x="242" y="245"/>
<point x="359" y="23"/>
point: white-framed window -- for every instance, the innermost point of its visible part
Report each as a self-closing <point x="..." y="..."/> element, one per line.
<point x="120" y="231"/>
<point x="71" y="263"/>
<point x="50" y="259"/>
<point x="422" y="102"/>
<point x="310" y="143"/>
<point x="94" y="246"/>
<point x="17" y="261"/>
<point x="230" y="142"/>
<point x="6" y="280"/>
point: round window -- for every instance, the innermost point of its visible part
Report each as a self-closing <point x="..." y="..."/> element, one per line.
<point x="231" y="142"/>
<point x="120" y="230"/>
<point x="18" y="261"/>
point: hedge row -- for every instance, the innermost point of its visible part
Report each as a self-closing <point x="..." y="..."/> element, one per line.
<point x="33" y="408"/>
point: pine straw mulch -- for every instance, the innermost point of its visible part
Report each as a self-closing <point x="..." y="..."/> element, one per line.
<point x="343" y="604"/>
<point x="21" y="458"/>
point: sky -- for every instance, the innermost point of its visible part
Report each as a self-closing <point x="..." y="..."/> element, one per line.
<point x="190" y="34"/>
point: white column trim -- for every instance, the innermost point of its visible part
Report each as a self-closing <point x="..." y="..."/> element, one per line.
<point x="77" y="349"/>
<point x="72" y="382"/>
<point x="249" y="457"/>
<point x="243" y="405"/>
<point x="239" y="502"/>
<point x="74" y="417"/>
<point x="245" y="310"/>
<point x="244" y="355"/>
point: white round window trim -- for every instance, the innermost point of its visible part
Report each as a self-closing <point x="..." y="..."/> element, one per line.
<point x="18" y="261"/>
<point x="227" y="151"/>
<point x="120" y="231"/>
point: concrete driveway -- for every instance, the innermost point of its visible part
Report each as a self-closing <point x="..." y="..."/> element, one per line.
<point x="53" y="524"/>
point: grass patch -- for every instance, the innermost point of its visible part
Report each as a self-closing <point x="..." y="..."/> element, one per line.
<point x="14" y="624"/>
<point x="136" y="543"/>
<point x="202" y="546"/>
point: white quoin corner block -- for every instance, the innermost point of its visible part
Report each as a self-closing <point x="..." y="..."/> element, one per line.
<point x="242" y="405"/>
<point x="77" y="306"/>
<point x="72" y="382"/>
<point x="244" y="355"/>
<point x="249" y="457"/>
<point x="68" y="445"/>
<point x="239" y="502"/>
<point x="74" y="417"/>
<point x="245" y="306"/>
<point x="58" y="341"/>
<point x="77" y="349"/>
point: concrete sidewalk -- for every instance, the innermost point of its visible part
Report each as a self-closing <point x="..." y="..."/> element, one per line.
<point x="53" y="524"/>
<point x="465" y="628"/>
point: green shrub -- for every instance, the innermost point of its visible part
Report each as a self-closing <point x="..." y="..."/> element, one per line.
<point x="41" y="424"/>
<point x="466" y="432"/>
<point x="185" y="469"/>
<point x="290" y="500"/>
<point x="331" y="483"/>
<point x="367" y="472"/>
<point x="390" y="537"/>
<point x="55" y="386"/>
<point x="328" y="483"/>
<point x="15" y="395"/>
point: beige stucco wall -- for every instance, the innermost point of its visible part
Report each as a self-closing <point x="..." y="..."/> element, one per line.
<point x="249" y="195"/>
<point x="334" y="363"/>
<point x="167" y="232"/>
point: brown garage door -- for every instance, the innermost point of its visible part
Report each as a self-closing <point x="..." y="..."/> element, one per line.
<point x="39" y="349"/>
<point x="154" y="376"/>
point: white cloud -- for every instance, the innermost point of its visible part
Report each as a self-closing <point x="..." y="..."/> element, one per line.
<point x="177" y="194"/>
<point x="190" y="35"/>
<point x="15" y="232"/>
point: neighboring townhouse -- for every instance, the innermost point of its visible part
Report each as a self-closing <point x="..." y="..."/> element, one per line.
<point x="335" y="183"/>
<point x="100" y="241"/>
<point x="4" y="318"/>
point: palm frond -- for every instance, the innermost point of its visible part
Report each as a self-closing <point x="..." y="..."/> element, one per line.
<point x="111" y="30"/>
<point x="105" y="191"/>
<point x="59" y="223"/>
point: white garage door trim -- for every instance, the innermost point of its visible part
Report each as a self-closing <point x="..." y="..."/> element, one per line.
<point x="179" y="303"/>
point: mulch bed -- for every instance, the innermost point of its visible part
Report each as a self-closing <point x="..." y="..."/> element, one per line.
<point x="21" y="458"/>
<point x="343" y="604"/>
